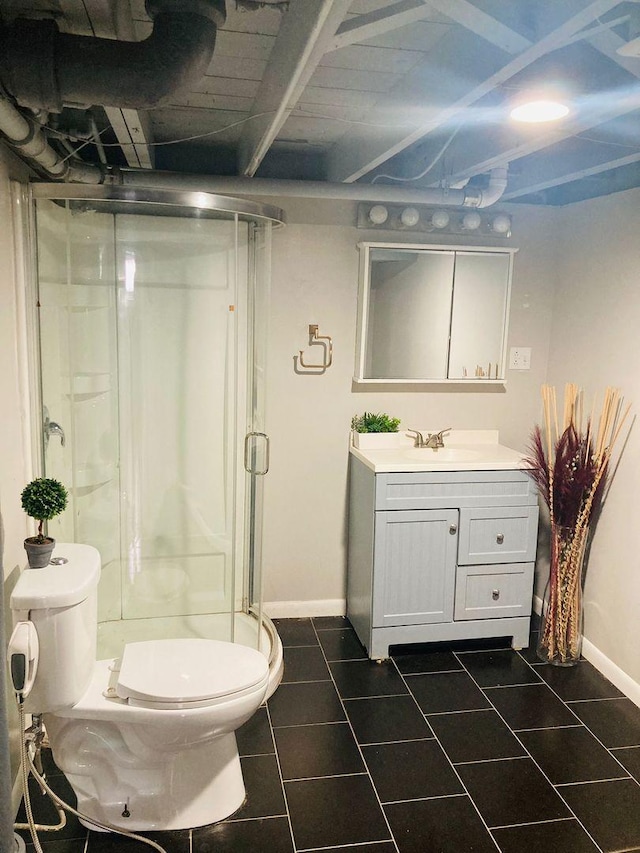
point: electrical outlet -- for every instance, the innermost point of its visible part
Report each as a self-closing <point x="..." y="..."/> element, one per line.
<point x="520" y="358"/>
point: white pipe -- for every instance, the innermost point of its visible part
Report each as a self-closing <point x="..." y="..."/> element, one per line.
<point x="299" y="189"/>
<point x="496" y="188"/>
<point x="29" y="140"/>
<point x="441" y="197"/>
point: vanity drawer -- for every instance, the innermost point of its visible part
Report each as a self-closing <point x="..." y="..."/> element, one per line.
<point x="498" y="535"/>
<point x="443" y="490"/>
<point x="490" y="592"/>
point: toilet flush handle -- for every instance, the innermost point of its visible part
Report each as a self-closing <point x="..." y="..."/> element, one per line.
<point x="23" y="653"/>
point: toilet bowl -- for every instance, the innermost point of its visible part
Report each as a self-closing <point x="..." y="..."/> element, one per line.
<point x="147" y="741"/>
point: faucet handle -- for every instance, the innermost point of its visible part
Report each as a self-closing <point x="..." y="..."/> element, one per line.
<point x="418" y="440"/>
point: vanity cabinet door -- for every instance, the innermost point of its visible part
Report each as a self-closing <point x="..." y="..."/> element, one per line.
<point x="414" y="567"/>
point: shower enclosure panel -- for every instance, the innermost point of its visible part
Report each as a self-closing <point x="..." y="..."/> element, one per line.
<point x="145" y="363"/>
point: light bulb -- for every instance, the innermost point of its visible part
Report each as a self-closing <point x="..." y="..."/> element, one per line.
<point x="378" y="214"/>
<point x="440" y="218"/>
<point x="501" y="224"/>
<point x="539" y="111"/>
<point x="471" y="221"/>
<point x="410" y="217"/>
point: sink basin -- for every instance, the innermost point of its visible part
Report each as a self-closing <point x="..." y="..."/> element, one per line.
<point x="443" y="454"/>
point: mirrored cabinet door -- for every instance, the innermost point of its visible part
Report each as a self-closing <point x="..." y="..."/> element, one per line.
<point x="432" y="314"/>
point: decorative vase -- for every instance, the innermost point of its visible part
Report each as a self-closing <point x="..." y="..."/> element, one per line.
<point x="39" y="551"/>
<point x="560" y="639"/>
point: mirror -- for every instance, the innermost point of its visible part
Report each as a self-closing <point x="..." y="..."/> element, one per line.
<point x="432" y="314"/>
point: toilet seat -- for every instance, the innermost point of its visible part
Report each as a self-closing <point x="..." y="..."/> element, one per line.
<point x="188" y="673"/>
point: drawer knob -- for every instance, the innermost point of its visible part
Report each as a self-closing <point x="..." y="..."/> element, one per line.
<point x="500" y="538"/>
<point x="495" y="594"/>
<point x="453" y="529"/>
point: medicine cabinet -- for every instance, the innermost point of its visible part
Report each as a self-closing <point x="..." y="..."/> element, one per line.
<point x="432" y="313"/>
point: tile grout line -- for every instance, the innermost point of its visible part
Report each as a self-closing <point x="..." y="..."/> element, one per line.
<point x="567" y="704"/>
<point x="284" y="790"/>
<point x="444" y="752"/>
<point x="533" y="759"/>
<point x="359" y="748"/>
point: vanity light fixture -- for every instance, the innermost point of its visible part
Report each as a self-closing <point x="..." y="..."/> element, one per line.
<point x="471" y="221"/>
<point x="378" y="214"/>
<point x="540" y="110"/>
<point x="440" y="218"/>
<point x="410" y="217"/>
<point x="501" y="224"/>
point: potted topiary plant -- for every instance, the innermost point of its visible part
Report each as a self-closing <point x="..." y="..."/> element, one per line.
<point x="362" y="425"/>
<point x="42" y="500"/>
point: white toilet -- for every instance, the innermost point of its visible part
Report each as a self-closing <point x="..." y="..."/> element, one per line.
<point x="148" y="741"/>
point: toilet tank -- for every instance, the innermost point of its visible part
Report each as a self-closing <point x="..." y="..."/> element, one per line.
<point x="62" y="602"/>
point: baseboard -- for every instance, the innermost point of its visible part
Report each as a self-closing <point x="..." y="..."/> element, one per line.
<point x="618" y="677"/>
<point x="299" y="609"/>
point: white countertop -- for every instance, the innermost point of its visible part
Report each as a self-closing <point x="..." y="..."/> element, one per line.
<point x="464" y="450"/>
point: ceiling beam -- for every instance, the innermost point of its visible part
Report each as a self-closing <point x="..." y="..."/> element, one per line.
<point x="133" y="132"/>
<point x="304" y="36"/>
<point x="384" y="20"/>
<point x="486" y="26"/>
<point x="356" y="156"/>
<point x="626" y="102"/>
<point x="557" y="176"/>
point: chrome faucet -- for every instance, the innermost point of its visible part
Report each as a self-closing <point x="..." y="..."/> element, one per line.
<point x="434" y="440"/>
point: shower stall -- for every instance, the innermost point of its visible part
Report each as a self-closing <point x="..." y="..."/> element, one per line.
<point x="148" y="341"/>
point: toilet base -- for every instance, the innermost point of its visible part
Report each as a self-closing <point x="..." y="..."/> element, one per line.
<point x="191" y="788"/>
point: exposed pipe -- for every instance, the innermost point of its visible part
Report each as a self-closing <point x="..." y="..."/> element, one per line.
<point x="27" y="138"/>
<point x="464" y="197"/>
<point x="43" y="68"/>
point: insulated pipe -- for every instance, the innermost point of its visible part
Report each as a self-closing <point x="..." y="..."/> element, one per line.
<point x="43" y="68"/>
<point x="30" y="142"/>
<point x="465" y="197"/>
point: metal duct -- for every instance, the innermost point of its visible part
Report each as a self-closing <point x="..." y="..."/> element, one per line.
<point x="43" y="68"/>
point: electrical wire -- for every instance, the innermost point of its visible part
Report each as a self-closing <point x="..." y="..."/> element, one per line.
<point x="296" y="114"/>
<point x="425" y="170"/>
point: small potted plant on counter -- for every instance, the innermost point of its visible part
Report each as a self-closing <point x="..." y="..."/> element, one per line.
<point x="363" y="425"/>
<point x="42" y="500"/>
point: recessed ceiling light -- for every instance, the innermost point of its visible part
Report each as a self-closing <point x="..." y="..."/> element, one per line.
<point x="539" y="111"/>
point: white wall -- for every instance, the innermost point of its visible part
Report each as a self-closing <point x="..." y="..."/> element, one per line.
<point x="315" y="280"/>
<point x="595" y="327"/>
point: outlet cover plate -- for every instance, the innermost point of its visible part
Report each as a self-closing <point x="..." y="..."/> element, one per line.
<point x="520" y="358"/>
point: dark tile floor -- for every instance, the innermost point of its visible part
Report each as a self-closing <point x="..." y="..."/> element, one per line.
<point x="439" y="750"/>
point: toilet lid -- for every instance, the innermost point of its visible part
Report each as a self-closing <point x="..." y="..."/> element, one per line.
<point x="188" y="670"/>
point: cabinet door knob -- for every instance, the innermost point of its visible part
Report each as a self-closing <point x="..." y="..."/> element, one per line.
<point x="495" y="594"/>
<point x="453" y="529"/>
<point x="500" y="538"/>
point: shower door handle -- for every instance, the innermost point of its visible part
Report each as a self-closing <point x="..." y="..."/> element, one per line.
<point x="50" y="428"/>
<point x="249" y="454"/>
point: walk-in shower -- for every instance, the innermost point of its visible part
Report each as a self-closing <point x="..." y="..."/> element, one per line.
<point x="149" y="325"/>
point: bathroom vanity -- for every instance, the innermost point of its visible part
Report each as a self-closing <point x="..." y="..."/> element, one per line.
<point x="442" y="543"/>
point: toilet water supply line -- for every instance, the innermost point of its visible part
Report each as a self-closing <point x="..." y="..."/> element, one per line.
<point x="23" y="665"/>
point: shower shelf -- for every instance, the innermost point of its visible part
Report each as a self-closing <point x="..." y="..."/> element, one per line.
<point x="85" y="385"/>
<point x="92" y="476"/>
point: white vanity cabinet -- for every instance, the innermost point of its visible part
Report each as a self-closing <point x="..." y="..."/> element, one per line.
<point x="440" y="555"/>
